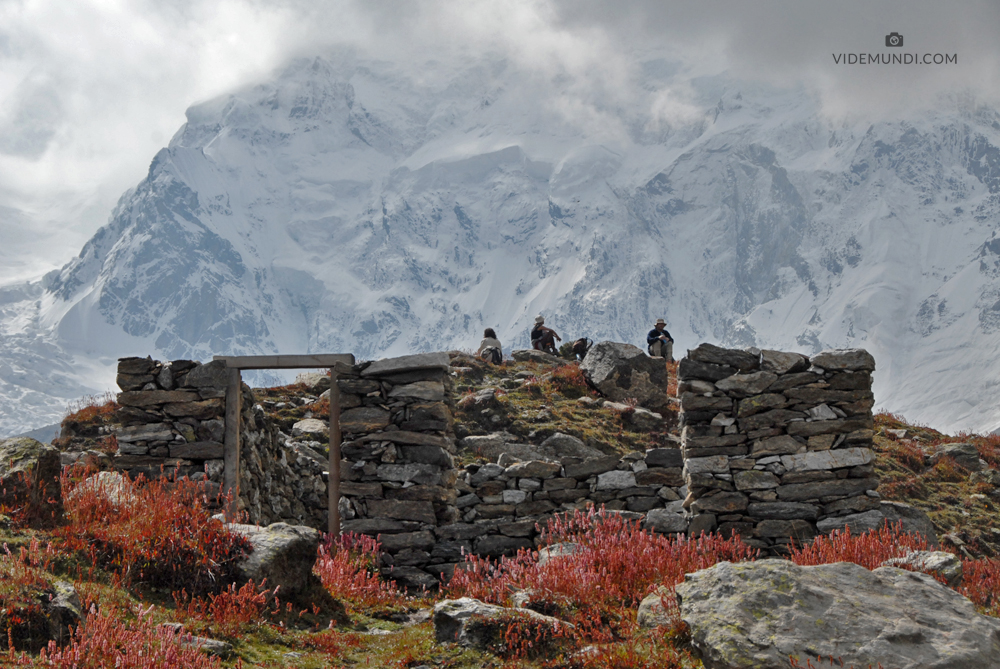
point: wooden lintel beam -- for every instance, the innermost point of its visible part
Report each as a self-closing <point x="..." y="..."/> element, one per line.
<point x="285" y="361"/>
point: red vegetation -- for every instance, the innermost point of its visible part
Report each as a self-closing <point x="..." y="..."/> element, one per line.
<point x="231" y="609"/>
<point x="93" y="408"/>
<point x="616" y="564"/>
<point x="981" y="584"/>
<point x="348" y="569"/>
<point x="106" y="641"/>
<point x="869" y="550"/>
<point x="158" y="532"/>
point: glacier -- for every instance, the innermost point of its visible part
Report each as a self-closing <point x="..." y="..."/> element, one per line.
<point x="347" y="206"/>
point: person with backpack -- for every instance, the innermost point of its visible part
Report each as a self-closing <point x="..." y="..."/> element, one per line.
<point x="490" y="349"/>
<point x="580" y="348"/>
<point x="543" y="338"/>
<point x="661" y="344"/>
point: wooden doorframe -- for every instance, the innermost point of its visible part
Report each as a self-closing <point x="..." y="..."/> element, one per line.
<point x="234" y="400"/>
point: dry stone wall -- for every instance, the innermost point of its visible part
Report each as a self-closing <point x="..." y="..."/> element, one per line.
<point x="775" y="442"/>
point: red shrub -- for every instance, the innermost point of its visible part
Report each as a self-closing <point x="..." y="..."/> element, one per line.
<point x="104" y="641"/>
<point x="334" y="643"/>
<point x="869" y="550"/>
<point x="981" y="584"/>
<point x="348" y="569"/>
<point x="92" y="408"/>
<point x="616" y="565"/>
<point x="159" y="532"/>
<point x="231" y="609"/>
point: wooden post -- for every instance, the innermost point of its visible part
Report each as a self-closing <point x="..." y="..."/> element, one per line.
<point x="333" y="483"/>
<point x="231" y="452"/>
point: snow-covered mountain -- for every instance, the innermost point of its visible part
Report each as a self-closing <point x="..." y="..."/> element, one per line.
<point x="347" y="207"/>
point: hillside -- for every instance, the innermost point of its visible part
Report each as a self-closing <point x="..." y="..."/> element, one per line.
<point x="529" y="401"/>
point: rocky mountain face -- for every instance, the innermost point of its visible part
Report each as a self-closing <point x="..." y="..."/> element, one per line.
<point x="347" y="207"/>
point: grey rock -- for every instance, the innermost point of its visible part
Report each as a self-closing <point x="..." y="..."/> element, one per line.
<point x="112" y="486"/>
<point x="782" y="510"/>
<point x="744" y="361"/>
<point x="726" y="502"/>
<point x="742" y="385"/>
<point x="853" y="359"/>
<point x="431" y="391"/>
<point x="29" y="478"/>
<point x="407" y="363"/>
<point x="210" y="375"/>
<point x="836" y="459"/>
<point x="964" y="455"/>
<point x="315" y="382"/>
<point x="715" y="464"/>
<point x="556" y="551"/>
<point x="665" y="521"/>
<point x="533" y="469"/>
<point x="531" y="355"/>
<point x="755" y="480"/>
<point x="283" y="554"/>
<point x="622" y="371"/>
<point x="148" y="432"/>
<point x="822" y="412"/>
<point x="781" y="362"/>
<point x="798" y="492"/>
<point x="946" y="565"/>
<point x="465" y="621"/>
<point x="422" y="512"/>
<point x="63" y="611"/>
<point x="912" y="520"/>
<point x="415" y="472"/>
<point x="412" y="578"/>
<point x="775" y="610"/>
<point x="561" y="445"/>
<point x="363" y="419"/>
<point x="664" y="457"/>
<point x="858" y="522"/>
<point x="692" y="370"/>
<point x="311" y="426"/>
<point x="592" y="467"/>
<point x="615" y="480"/>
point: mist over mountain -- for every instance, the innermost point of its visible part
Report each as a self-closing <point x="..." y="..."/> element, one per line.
<point x="347" y="206"/>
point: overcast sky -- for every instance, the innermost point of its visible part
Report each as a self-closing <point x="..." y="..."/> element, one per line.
<point x="91" y="89"/>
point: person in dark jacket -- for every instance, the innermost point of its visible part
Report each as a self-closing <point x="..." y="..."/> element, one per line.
<point x="661" y="344"/>
<point x="543" y="338"/>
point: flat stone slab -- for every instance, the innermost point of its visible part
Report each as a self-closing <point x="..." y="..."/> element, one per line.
<point x="761" y="614"/>
<point x="407" y="363"/>
<point x="841" y="457"/>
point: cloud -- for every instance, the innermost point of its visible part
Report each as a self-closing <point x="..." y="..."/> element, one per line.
<point x="89" y="90"/>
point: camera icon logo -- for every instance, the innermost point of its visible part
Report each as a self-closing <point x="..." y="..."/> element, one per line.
<point x="894" y="39"/>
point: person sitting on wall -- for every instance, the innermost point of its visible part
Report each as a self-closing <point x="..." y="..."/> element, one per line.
<point x="543" y="338"/>
<point x="661" y="344"/>
<point x="490" y="349"/>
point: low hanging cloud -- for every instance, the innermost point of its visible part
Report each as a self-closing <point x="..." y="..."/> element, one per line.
<point x="90" y="90"/>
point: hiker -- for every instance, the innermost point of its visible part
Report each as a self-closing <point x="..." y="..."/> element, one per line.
<point x="543" y="338"/>
<point x="490" y="349"/>
<point x="581" y="346"/>
<point x="661" y="344"/>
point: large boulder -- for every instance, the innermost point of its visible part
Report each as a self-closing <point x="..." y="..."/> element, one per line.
<point x="964" y="455"/>
<point x="623" y="371"/>
<point x="29" y="481"/>
<point x="283" y="554"/>
<point x="774" y="611"/>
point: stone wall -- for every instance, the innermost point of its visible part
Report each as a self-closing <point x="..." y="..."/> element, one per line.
<point x="774" y="442"/>
<point x="171" y="419"/>
<point x="398" y="474"/>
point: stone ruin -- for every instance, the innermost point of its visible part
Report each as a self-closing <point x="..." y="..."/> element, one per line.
<point x="776" y="445"/>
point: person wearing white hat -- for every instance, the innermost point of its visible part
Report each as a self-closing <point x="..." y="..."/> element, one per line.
<point x="543" y="338"/>
<point x="661" y="344"/>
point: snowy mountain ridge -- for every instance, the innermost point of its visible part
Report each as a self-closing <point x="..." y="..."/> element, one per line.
<point x="344" y="206"/>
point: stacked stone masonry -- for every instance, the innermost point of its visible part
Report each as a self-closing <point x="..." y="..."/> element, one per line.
<point x="774" y="442"/>
<point x="171" y="419"/>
